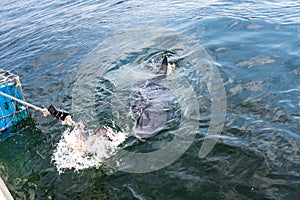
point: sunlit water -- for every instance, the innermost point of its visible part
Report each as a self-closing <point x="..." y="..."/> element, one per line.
<point x="255" y="46"/>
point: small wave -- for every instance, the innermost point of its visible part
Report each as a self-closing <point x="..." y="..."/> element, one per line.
<point x="81" y="149"/>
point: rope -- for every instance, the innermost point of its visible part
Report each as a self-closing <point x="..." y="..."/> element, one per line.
<point x="67" y="121"/>
<point x="43" y="110"/>
<point x="18" y="85"/>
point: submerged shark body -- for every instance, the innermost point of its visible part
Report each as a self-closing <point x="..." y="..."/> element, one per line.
<point x="154" y="106"/>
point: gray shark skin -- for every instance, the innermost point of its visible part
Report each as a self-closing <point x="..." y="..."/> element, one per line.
<point x="154" y="106"/>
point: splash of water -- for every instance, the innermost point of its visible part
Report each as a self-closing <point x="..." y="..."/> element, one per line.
<point x="81" y="149"/>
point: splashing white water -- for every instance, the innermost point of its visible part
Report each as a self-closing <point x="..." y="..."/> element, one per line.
<point x="81" y="149"/>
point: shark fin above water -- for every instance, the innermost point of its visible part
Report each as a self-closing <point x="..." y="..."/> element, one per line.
<point x="164" y="66"/>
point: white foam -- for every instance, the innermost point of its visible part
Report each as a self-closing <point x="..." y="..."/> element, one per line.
<point x="76" y="151"/>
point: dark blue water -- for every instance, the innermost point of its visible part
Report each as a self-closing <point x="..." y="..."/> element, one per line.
<point x="256" y="45"/>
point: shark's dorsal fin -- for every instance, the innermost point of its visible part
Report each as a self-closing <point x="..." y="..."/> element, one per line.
<point x="164" y="66"/>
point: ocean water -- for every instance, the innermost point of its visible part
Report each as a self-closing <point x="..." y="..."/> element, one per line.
<point x="61" y="49"/>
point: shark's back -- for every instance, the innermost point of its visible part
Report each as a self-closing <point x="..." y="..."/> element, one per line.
<point x="154" y="106"/>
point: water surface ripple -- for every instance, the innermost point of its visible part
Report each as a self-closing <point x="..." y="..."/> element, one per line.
<point x="256" y="46"/>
